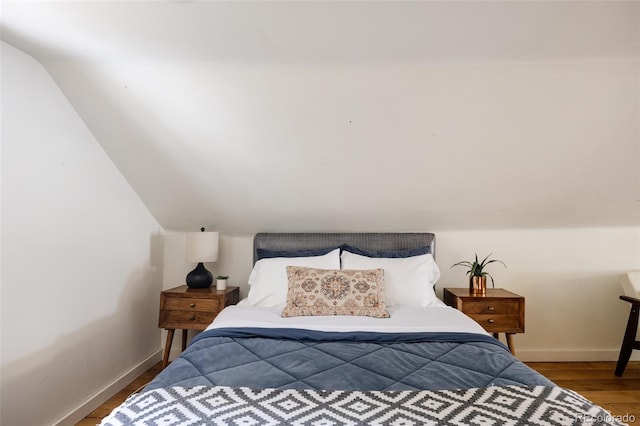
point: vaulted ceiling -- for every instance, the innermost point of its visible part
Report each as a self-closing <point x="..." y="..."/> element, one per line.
<point x="249" y="116"/>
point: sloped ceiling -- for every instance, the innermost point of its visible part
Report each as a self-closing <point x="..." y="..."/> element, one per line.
<point x="355" y="115"/>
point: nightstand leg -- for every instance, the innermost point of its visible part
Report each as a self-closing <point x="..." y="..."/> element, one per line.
<point x="184" y="339"/>
<point x="167" y="347"/>
<point x="496" y="335"/>
<point x="512" y="348"/>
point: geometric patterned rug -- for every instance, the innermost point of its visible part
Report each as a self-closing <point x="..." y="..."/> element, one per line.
<point x="221" y="405"/>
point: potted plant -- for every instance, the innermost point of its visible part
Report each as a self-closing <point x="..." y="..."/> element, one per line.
<point x="221" y="282"/>
<point x="477" y="274"/>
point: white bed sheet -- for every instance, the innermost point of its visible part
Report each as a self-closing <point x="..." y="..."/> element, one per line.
<point x="403" y="319"/>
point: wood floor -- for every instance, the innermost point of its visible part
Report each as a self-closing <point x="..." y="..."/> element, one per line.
<point x="596" y="382"/>
<point x="99" y="413"/>
<point x="593" y="380"/>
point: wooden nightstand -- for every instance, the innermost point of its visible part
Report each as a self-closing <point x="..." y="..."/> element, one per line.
<point x="498" y="311"/>
<point x="191" y="309"/>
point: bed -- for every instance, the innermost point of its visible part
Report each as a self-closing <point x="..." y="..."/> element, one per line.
<point x="346" y="329"/>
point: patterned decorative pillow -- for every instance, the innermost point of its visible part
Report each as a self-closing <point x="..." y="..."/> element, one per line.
<point x="335" y="292"/>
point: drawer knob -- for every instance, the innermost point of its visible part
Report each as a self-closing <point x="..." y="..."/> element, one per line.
<point x="192" y="317"/>
<point x="193" y="305"/>
<point x="491" y="308"/>
<point x="491" y="320"/>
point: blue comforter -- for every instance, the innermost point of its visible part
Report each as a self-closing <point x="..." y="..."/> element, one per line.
<point x="303" y="359"/>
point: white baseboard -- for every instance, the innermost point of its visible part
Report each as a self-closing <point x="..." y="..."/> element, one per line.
<point x="108" y="391"/>
<point x="532" y="355"/>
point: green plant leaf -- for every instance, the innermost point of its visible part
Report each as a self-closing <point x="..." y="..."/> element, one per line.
<point x="476" y="268"/>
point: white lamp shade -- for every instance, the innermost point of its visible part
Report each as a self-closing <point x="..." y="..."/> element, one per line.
<point x="202" y="246"/>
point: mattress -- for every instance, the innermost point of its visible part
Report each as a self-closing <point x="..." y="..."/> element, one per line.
<point x="440" y="318"/>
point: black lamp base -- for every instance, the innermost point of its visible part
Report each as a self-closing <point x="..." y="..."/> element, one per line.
<point x="199" y="277"/>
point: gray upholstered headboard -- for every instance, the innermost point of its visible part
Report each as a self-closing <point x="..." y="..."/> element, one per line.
<point x="367" y="241"/>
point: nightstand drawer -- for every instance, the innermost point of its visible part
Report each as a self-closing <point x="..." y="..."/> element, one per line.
<point x="187" y="319"/>
<point x="498" y="323"/>
<point x="490" y="307"/>
<point x="192" y="304"/>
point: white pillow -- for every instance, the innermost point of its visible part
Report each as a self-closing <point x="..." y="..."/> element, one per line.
<point x="269" y="283"/>
<point x="407" y="281"/>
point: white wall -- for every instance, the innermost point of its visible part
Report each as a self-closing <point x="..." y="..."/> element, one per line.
<point x="568" y="276"/>
<point x="454" y="146"/>
<point x="459" y="115"/>
<point x="81" y="258"/>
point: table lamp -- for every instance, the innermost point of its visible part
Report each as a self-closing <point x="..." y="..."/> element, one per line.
<point x="201" y="247"/>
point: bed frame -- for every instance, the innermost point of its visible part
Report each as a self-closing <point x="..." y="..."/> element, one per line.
<point x="366" y="241"/>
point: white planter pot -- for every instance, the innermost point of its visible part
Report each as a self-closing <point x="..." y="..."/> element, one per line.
<point x="221" y="284"/>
